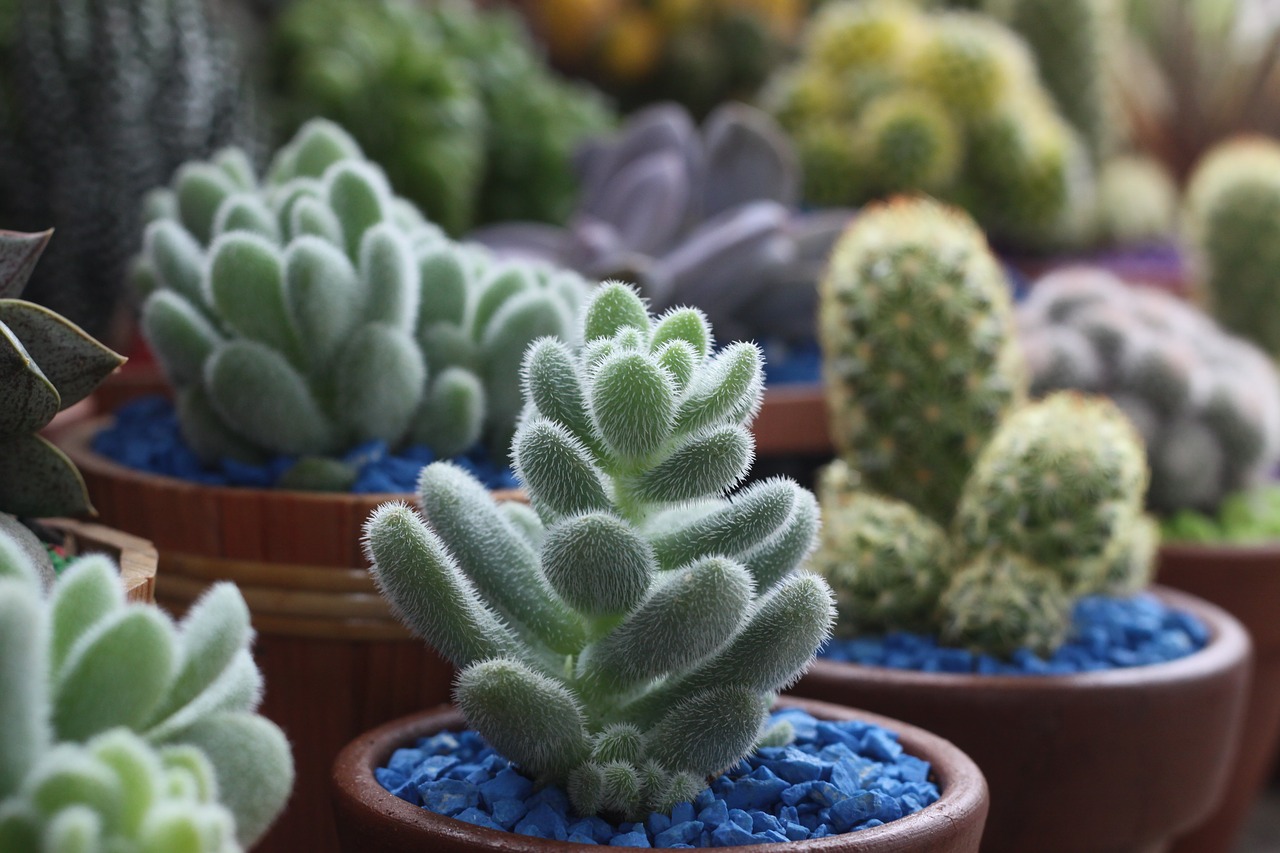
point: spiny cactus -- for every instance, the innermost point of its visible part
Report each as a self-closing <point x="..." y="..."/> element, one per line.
<point x="1207" y="404"/>
<point x="1137" y="201"/>
<point x="943" y="102"/>
<point x="105" y="100"/>
<point x="701" y="217"/>
<point x="313" y="310"/>
<point x="1233" y="218"/>
<point x="123" y="732"/>
<point x="46" y="364"/>
<point x="628" y="640"/>
<point x="999" y="602"/>
<point x="454" y="102"/>
<point x="920" y="359"/>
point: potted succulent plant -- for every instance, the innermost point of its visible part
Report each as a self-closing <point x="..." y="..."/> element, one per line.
<point x="625" y="639"/>
<point x="1208" y="407"/>
<point x="311" y="324"/>
<point x="122" y="731"/>
<point x="969" y="533"/>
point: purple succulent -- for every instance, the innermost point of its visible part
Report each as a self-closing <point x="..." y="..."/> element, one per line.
<point x="694" y="216"/>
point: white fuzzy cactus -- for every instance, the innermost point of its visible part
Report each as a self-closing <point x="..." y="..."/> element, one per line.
<point x="626" y="637"/>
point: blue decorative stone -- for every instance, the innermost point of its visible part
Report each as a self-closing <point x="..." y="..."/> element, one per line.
<point x="448" y="796"/>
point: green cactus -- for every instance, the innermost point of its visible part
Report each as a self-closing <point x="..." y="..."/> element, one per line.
<point x="454" y="102"/>
<point x="124" y="732"/>
<point x="1233" y="218"/>
<point x="1057" y="483"/>
<point x="852" y="36"/>
<point x="920" y="361"/>
<point x="637" y="648"/>
<point x="104" y="101"/>
<point x="46" y="364"/>
<point x="315" y="310"/>
<point x="1137" y="201"/>
<point x="912" y="144"/>
<point x="999" y="602"/>
<point x="970" y="63"/>
<point x="886" y="563"/>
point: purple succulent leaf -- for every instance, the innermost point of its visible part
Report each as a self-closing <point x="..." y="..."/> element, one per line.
<point x="662" y="128"/>
<point x="749" y="158"/>
<point x="592" y="245"/>
<point x="815" y="234"/>
<point x="19" y="253"/>
<point x="525" y="240"/>
<point x="647" y="203"/>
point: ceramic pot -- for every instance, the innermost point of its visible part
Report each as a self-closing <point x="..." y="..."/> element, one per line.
<point x="136" y="557"/>
<point x="1121" y="761"/>
<point x="372" y="820"/>
<point x="1245" y="582"/>
<point x="335" y="659"/>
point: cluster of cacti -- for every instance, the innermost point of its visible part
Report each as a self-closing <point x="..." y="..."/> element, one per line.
<point x="46" y="365"/>
<point x="314" y="310"/>
<point x="957" y="509"/>
<point x="1232" y="216"/>
<point x="454" y="102"/>
<point x="693" y="216"/>
<point x="625" y="634"/>
<point x="889" y="98"/>
<point x="103" y="100"/>
<point x="123" y="732"/>
<point x="1207" y="404"/>
<point x="700" y="54"/>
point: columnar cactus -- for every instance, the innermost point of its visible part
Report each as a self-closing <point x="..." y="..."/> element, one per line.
<point x="626" y="638"/>
<point x="1233" y="218"/>
<point x="313" y="310"/>
<point x="105" y="100"/>
<point x="1207" y="404"/>
<point x="920" y="358"/>
<point x="46" y="364"/>
<point x="124" y="732"/>
<point x="888" y="98"/>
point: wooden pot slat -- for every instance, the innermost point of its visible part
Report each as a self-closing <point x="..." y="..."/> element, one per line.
<point x="136" y="557"/>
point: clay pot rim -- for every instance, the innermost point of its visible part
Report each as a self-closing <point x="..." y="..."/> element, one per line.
<point x="963" y="787"/>
<point x="1228" y="640"/>
<point x="1222" y="551"/>
<point x="76" y="442"/>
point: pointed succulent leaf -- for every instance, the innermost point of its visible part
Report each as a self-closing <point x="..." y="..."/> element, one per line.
<point x="748" y="157"/>
<point x="614" y="306"/>
<point x="176" y="257"/>
<point x="528" y="717"/>
<point x="246" y="212"/>
<point x="450" y="419"/>
<point x="74" y="362"/>
<point x="748" y="519"/>
<point x="379" y="376"/>
<point x="88" y="592"/>
<point x="357" y="193"/>
<point x="179" y="334"/>
<point x="23" y="672"/>
<point x="245" y="285"/>
<point x="709" y="463"/>
<point x="684" y="324"/>
<point x="597" y="563"/>
<point x="557" y="469"/>
<point x="709" y="731"/>
<point x="28" y="400"/>
<point x="322" y="296"/>
<point x="390" y="276"/>
<point x="632" y="404"/>
<point x="495" y="556"/>
<point x="19" y="253"/>
<point x="255" y="388"/>
<point x="731" y="387"/>
<point x="416" y="573"/>
<point x="784" y="551"/>
<point x="552" y="384"/>
<point x="38" y="480"/>
<point x="200" y="189"/>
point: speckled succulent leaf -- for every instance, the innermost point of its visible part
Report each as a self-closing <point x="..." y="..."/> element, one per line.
<point x="73" y="362"/>
<point x="597" y="627"/>
<point x="29" y="399"/>
<point x="19" y="253"/>
<point x="38" y="480"/>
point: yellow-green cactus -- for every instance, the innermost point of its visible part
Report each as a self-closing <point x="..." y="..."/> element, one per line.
<point x="999" y="602"/>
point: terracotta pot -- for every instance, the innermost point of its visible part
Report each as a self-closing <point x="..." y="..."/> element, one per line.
<point x="135" y="556"/>
<point x="793" y="420"/>
<point x="1111" y="762"/>
<point x="372" y="820"/>
<point x="1245" y="582"/>
<point x="335" y="660"/>
<point x="134" y="380"/>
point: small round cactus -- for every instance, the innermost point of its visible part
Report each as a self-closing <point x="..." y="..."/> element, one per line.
<point x="1137" y="201"/>
<point x="999" y="602"/>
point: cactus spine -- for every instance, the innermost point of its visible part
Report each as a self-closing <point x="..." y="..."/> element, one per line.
<point x="628" y="641"/>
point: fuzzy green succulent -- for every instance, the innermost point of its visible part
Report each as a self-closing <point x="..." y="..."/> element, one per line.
<point x="920" y="358"/>
<point x="124" y="732"/>
<point x="453" y="101"/>
<point x="47" y="363"/>
<point x="313" y="310"/>
<point x="626" y="639"/>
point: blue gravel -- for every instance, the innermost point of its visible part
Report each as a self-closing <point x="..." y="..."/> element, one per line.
<point x="1106" y="633"/>
<point x="146" y="436"/>
<point x="792" y="364"/>
<point x="835" y="777"/>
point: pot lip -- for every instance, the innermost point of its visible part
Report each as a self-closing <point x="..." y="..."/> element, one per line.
<point x="1228" y="643"/>
<point x="963" y="787"/>
<point x="76" y="442"/>
<point x="1227" y="552"/>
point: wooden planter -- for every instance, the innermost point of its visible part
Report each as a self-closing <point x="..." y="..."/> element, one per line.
<point x="1245" y="582"/>
<point x="135" y="556"/>
<point x="335" y="660"/>
<point x="372" y="820"/>
<point x="1108" y="762"/>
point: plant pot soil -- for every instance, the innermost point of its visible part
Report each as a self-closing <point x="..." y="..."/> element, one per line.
<point x="372" y="820"/>
<point x="335" y="660"/>
<point x="136" y="557"/>
<point x="1245" y="582"/>
<point x="1120" y="761"/>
